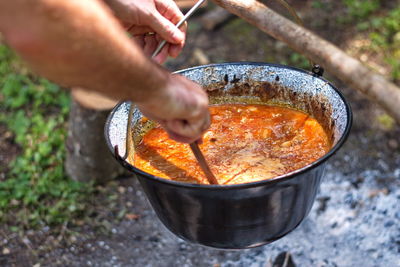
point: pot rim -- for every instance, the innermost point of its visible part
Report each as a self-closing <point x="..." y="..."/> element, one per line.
<point x="284" y="177"/>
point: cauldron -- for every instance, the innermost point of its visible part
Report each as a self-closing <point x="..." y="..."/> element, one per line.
<point x="252" y="214"/>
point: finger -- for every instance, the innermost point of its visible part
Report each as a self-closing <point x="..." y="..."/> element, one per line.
<point x="183" y="29"/>
<point x="192" y="130"/>
<point x="166" y="29"/>
<point x="174" y="135"/>
<point x="163" y="55"/>
<point x="180" y="138"/>
<point x="150" y="44"/>
<point x="139" y="39"/>
<point x="140" y="30"/>
<point x="182" y="128"/>
<point x="125" y="25"/>
<point x="201" y="123"/>
<point x="170" y="10"/>
<point x="175" y="50"/>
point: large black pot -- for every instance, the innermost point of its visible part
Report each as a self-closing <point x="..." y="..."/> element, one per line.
<point x="244" y="215"/>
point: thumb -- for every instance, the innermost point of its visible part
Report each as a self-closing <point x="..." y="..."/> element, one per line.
<point x="167" y="30"/>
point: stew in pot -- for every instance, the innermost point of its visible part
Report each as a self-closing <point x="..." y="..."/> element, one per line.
<point x="245" y="143"/>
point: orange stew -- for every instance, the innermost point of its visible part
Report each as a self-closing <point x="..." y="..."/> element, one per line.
<point x="245" y="143"/>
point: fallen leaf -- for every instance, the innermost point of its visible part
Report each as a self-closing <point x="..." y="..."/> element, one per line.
<point x="6" y="251"/>
<point x="132" y="216"/>
<point x="121" y="189"/>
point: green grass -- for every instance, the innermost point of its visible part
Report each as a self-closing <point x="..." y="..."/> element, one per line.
<point x="36" y="191"/>
<point x="381" y="25"/>
<point x="385" y="38"/>
<point x="361" y="9"/>
<point x="297" y="60"/>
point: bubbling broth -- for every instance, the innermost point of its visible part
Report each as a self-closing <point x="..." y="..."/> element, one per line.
<point x="245" y="143"/>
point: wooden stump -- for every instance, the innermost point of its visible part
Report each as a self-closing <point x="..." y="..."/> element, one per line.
<point x="88" y="157"/>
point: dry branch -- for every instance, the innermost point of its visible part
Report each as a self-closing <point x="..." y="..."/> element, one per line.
<point x="216" y="17"/>
<point x="337" y="62"/>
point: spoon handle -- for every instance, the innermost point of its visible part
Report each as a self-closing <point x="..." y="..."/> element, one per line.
<point x="203" y="163"/>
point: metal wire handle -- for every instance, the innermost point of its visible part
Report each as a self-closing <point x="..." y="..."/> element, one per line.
<point x="315" y="68"/>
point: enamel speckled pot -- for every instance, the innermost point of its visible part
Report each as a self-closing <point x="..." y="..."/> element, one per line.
<point x="252" y="214"/>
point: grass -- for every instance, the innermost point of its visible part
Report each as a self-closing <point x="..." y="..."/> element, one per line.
<point x="361" y="9"/>
<point x="374" y="20"/>
<point x="385" y="38"/>
<point x="382" y="27"/>
<point x="297" y="60"/>
<point x="36" y="191"/>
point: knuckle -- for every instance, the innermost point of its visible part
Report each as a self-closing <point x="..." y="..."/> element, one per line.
<point x="170" y="31"/>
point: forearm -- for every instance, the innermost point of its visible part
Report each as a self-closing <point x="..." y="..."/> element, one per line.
<point x="79" y="43"/>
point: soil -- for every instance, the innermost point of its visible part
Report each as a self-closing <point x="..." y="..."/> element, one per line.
<point x="354" y="221"/>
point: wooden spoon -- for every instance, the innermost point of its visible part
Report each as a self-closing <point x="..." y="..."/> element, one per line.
<point x="203" y="163"/>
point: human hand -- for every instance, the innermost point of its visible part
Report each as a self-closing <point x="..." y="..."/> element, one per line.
<point x="152" y="16"/>
<point x="181" y="109"/>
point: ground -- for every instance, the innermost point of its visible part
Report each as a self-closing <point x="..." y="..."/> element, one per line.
<point x="353" y="221"/>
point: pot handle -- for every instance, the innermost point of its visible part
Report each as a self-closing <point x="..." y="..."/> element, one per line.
<point x="115" y="130"/>
<point x="316" y="69"/>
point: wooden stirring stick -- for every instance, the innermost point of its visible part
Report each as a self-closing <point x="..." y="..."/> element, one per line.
<point x="203" y="163"/>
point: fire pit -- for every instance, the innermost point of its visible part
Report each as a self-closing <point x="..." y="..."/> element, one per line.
<point x="252" y="214"/>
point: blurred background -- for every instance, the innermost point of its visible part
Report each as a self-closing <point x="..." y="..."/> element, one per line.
<point x="47" y="219"/>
